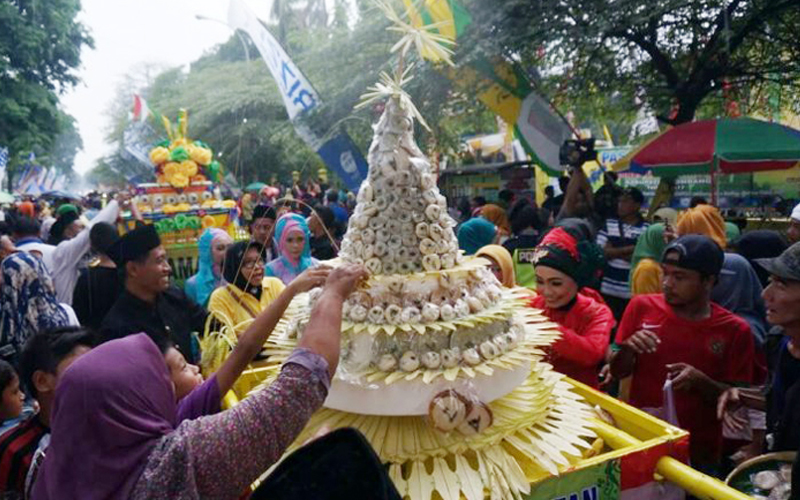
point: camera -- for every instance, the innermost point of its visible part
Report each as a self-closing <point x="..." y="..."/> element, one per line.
<point x="576" y="152"/>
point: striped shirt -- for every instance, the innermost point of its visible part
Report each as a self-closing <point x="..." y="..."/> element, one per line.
<point x="17" y="446"/>
<point x="615" y="276"/>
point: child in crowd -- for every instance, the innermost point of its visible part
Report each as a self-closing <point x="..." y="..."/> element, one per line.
<point x="12" y="396"/>
<point x="197" y="397"/>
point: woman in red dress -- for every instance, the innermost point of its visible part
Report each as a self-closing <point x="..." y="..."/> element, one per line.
<point x="564" y="264"/>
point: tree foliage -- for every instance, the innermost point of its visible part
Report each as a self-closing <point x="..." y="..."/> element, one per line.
<point x="235" y="107"/>
<point x="675" y="53"/>
<point x="40" y="46"/>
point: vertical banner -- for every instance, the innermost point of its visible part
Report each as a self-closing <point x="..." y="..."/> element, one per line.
<point x="30" y="183"/>
<point x="296" y="91"/>
<point x="3" y="165"/>
<point x="340" y="154"/>
<point x="135" y="143"/>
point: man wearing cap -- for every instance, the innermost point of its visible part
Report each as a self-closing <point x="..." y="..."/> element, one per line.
<point x="782" y="397"/>
<point x="682" y="337"/>
<point x="618" y="239"/>
<point x="148" y="303"/>
<point x="261" y="229"/>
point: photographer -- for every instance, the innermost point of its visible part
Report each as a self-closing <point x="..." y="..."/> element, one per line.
<point x="579" y="201"/>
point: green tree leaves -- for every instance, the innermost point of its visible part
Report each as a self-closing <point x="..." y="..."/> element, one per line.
<point x="677" y="53"/>
<point x="40" y="46"/>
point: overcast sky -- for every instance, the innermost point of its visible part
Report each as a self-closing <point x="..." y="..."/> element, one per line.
<point x="128" y="34"/>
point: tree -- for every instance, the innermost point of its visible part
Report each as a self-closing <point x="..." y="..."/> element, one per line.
<point x="235" y="107"/>
<point x="40" y="45"/>
<point x="676" y="53"/>
<point x="66" y="145"/>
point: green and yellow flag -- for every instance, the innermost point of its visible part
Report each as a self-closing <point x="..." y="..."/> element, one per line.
<point x="503" y="87"/>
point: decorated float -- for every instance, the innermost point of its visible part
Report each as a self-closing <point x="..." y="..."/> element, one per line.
<point x="185" y="199"/>
<point x="443" y="370"/>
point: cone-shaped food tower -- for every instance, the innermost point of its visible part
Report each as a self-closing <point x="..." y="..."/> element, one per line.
<point x="441" y="367"/>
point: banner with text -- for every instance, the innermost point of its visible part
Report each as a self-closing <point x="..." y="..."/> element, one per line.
<point x="340" y="154"/>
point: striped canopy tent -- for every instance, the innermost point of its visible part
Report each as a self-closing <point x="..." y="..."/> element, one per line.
<point x="727" y="145"/>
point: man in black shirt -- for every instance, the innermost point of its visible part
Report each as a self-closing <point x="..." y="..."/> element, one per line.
<point x="782" y="348"/>
<point x="262" y="229"/>
<point x="322" y="224"/>
<point x="557" y="202"/>
<point x="148" y="302"/>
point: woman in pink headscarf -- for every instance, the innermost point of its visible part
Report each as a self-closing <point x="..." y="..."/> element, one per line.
<point x="292" y="237"/>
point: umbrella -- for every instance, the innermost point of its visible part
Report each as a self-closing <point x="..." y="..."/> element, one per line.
<point x="255" y="186"/>
<point x="728" y="145"/>
<point x="6" y="197"/>
<point x="60" y="194"/>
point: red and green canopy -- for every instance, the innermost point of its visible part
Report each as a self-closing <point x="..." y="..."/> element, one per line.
<point x="726" y="145"/>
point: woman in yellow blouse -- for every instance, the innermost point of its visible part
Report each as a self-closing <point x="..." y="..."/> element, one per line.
<point x="248" y="292"/>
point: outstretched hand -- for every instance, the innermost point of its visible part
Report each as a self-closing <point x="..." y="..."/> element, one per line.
<point x="343" y="280"/>
<point x="310" y="278"/>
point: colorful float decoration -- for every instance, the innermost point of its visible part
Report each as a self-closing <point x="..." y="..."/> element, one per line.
<point x="185" y="199"/>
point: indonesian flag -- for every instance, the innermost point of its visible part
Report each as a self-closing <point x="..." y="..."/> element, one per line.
<point x="140" y="109"/>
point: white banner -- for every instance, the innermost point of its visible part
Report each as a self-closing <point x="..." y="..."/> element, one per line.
<point x="297" y="93"/>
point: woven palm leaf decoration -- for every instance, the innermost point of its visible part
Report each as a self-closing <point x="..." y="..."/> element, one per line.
<point x="441" y="367"/>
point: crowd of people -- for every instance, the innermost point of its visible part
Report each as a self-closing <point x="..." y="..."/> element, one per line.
<point x="675" y="312"/>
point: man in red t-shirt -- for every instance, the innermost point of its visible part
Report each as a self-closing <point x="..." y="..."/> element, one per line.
<point x="682" y="336"/>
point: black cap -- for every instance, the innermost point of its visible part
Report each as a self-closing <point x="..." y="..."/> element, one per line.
<point x="696" y="252"/>
<point x="264" y="212"/>
<point x="635" y="194"/>
<point x="134" y="245"/>
<point x="786" y="265"/>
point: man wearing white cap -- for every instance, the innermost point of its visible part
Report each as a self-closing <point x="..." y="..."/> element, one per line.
<point x="793" y="233"/>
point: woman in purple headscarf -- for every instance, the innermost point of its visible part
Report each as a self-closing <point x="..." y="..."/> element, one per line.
<point x="114" y="429"/>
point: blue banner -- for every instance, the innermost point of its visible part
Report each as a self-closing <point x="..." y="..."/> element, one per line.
<point x="344" y="159"/>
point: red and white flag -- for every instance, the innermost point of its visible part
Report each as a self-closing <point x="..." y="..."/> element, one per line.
<point x="140" y="109"/>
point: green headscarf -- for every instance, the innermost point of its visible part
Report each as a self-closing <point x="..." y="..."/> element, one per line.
<point x="731" y="232"/>
<point x="650" y="245"/>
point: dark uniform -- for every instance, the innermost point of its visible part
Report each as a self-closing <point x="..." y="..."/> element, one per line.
<point x="173" y="316"/>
